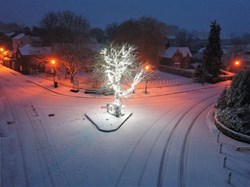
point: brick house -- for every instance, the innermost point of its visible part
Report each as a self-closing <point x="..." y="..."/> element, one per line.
<point x="27" y="59"/>
<point x="180" y="57"/>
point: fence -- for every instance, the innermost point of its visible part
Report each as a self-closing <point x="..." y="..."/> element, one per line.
<point x="151" y="84"/>
<point x="166" y="83"/>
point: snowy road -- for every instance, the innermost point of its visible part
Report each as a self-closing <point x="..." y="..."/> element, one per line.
<point x="169" y="140"/>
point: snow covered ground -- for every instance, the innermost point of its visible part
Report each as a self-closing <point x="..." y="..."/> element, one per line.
<point x="170" y="140"/>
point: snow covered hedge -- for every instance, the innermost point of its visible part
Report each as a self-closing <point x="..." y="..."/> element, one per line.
<point x="233" y="106"/>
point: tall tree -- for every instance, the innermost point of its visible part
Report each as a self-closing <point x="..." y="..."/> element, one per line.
<point x="98" y="34"/>
<point x="213" y="52"/>
<point x="65" y="27"/>
<point x="148" y="35"/>
<point x="117" y="66"/>
<point x="69" y="36"/>
<point x="73" y="57"/>
<point x="184" y="38"/>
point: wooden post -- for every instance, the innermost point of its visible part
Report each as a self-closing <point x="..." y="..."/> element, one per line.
<point x="220" y="147"/>
<point x="229" y="178"/>
<point x="224" y="162"/>
<point x="218" y="137"/>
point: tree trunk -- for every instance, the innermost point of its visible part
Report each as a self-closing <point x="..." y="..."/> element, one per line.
<point x="116" y="108"/>
<point x="71" y="78"/>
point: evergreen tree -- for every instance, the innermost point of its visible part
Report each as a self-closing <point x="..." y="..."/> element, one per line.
<point x="213" y="52"/>
<point x="239" y="92"/>
<point x="234" y="104"/>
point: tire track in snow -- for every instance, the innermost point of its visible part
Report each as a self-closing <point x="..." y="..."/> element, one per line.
<point x="41" y="140"/>
<point x="163" y="164"/>
<point x="137" y="144"/>
<point x="20" y="142"/>
<point x="48" y="153"/>
<point x="184" y="147"/>
<point x="134" y="149"/>
<point x="151" y="150"/>
<point x="44" y="145"/>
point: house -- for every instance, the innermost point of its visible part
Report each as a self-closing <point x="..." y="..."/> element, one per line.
<point x="19" y="41"/>
<point x="29" y="59"/>
<point x="180" y="57"/>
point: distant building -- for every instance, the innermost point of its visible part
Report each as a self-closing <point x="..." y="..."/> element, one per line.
<point x="180" y="57"/>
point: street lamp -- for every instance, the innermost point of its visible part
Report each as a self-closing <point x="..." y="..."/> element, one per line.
<point x="53" y="62"/>
<point x="146" y="83"/>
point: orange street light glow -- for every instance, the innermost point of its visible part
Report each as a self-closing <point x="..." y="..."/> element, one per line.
<point x="1" y="49"/>
<point x="237" y="63"/>
<point x="147" y="67"/>
<point x="53" y="61"/>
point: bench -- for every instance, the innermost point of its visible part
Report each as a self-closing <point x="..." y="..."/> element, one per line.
<point x="242" y="148"/>
<point x="91" y="92"/>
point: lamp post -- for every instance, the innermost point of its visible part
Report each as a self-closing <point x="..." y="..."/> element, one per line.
<point x="53" y="62"/>
<point x="146" y="83"/>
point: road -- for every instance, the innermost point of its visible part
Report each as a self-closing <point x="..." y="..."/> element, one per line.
<point x="169" y="140"/>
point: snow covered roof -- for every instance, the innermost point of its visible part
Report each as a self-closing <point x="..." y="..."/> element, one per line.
<point x="19" y="36"/>
<point x="10" y="34"/>
<point x="169" y="52"/>
<point x="28" y="50"/>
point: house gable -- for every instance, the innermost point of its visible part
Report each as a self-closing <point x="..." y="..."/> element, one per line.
<point x="177" y="56"/>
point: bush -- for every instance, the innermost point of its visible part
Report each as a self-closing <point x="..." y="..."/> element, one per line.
<point x="234" y="104"/>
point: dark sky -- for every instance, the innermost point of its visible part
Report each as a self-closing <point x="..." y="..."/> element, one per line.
<point x="232" y="15"/>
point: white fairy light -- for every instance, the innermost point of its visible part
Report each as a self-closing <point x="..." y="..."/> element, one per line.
<point x="117" y="62"/>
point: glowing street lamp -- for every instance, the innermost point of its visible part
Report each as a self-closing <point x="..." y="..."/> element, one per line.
<point x="237" y="63"/>
<point x="147" y="68"/>
<point x="53" y="62"/>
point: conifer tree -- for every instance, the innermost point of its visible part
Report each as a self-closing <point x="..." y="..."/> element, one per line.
<point x="239" y="92"/>
<point x="213" y="52"/>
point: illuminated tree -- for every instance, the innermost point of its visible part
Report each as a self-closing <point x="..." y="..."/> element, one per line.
<point x="118" y="66"/>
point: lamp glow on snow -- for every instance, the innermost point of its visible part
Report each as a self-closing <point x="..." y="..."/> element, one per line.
<point x="120" y="64"/>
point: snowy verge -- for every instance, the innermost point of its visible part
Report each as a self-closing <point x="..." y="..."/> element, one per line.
<point x="211" y="122"/>
<point x="229" y="132"/>
<point x="106" y="122"/>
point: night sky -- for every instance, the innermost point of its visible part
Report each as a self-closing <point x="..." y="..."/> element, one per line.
<point x="232" y="15"/>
